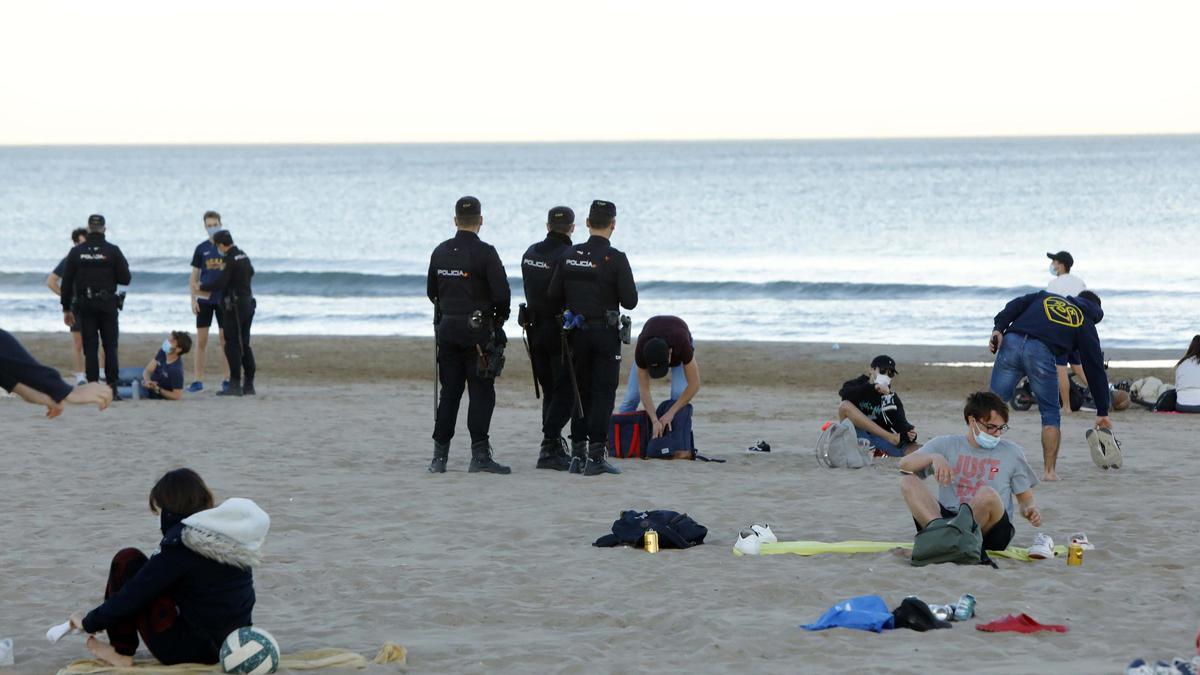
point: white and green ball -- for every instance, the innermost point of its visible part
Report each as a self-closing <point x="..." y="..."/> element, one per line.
<point x="250" y="651"/>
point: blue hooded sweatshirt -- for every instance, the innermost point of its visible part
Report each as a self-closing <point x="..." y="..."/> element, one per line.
<point x="1064" y="325"/>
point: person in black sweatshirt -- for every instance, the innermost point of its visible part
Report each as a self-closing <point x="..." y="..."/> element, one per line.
<point x="21" y="374"/>
<point x="1027" y="336"/>
<point x="186" y="598"/>
<point x="874" y="408"/>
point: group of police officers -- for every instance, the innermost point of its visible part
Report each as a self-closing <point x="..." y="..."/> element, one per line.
<point x="93" y="270"/>
<point x="573" y="294"/>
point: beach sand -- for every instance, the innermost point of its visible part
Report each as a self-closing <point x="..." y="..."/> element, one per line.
<point x="482" y="573"/>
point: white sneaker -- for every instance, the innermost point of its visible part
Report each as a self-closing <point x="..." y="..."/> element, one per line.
<point x="764" y="533"/>
<point x="748" y="543"/>
<point x="80" y="378"/>
<point x="1043" y="547"/>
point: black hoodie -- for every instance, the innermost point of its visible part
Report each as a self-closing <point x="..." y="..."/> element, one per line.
<point x="885" y="410"/>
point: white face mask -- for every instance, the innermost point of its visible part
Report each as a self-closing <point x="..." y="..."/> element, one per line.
<point x="1053" y="270"/>
<point x="166" y="346"/>
<point x="880" y="378"/>
<point x="986" y="440"/>
<point x="213" y="230"/>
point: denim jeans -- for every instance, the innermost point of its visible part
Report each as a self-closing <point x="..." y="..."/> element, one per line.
<point x="881" y="444"/>
<point x="633" y="396"/>
<point x="1023" y="356"/>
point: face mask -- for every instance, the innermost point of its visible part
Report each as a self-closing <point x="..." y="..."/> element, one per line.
<point x="166" y="346"/>
<point x="883" y="379"/>
<point x="986" y="441"/>
<point x="213" y="230"/>
<point x="1053" y="271"/>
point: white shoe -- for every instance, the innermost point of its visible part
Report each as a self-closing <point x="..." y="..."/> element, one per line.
<point x="1043" y="547"/>
<point x="80" y="378"/>
<point x="748" y="543"/>
<point x="1080" y="539"/>
<point x="765" y="535"/>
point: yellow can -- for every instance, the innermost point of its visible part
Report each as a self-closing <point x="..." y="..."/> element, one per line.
<point x="1074" y="555"/>
<point x="651" y="541"/>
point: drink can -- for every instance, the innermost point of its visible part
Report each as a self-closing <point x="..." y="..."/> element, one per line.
<point x="651" y="541"/>
<point x="1074" y="555"/>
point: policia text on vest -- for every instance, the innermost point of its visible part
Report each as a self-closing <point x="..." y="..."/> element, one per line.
<point x="469" y="290"/>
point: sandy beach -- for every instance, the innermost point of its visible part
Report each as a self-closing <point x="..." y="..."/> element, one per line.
<point x="490" y="573"/>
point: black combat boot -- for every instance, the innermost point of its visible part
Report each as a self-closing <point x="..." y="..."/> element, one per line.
<point x="248" y="387"/>
<point x="578" y="456"/>
<point x="481" y="460"/>
<point x="552" y="455"/>
<point x="235" y="389"/>
<point x="597" y="461"/>
<point x="441" y="452"/>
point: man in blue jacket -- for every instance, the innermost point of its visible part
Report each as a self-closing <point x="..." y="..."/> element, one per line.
<point x="1030" y="332"/>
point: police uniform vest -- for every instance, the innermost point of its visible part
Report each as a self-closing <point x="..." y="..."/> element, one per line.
<point x="537" y="267"/>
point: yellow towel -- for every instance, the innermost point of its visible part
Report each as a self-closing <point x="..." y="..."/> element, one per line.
<point x="822" y="547"/>
<point x="310" y="660"/>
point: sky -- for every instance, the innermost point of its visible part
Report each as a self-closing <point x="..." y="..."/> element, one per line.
<point x="299" y="71"/>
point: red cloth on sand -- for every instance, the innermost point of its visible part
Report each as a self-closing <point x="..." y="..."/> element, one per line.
<point x="1020" y="623"/>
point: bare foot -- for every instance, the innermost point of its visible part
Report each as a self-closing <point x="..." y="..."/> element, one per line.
<point x="1050" y="475"/>
<point x="105" y="652"/>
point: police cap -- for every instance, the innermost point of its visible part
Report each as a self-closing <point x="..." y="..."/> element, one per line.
<point x="603" y="209"/>
<point x="560" y="216"/>
<point x="467" y="206"/>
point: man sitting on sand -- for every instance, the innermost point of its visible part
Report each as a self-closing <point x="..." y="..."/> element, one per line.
<point x="876" y="411"/>
<point x="162" y="378"/>
<point x="977" y="468"/>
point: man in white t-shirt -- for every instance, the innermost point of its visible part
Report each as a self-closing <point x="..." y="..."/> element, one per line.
<point x="1066" y="284"/>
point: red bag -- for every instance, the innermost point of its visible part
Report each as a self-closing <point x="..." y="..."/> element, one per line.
<point x="628" y="434"/>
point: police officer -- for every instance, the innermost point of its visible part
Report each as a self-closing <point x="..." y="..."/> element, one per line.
<point x="591" y="280"/>
<point x="237" y="313"/>
<point x="544" y="327"/>
<point x="90" y="278"/>
<point x="469" y="291"/>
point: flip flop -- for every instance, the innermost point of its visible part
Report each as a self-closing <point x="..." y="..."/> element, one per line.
<point x="1106" y="450"/>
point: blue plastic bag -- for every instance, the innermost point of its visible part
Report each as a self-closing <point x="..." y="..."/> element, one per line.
<point x="866" y="612"/>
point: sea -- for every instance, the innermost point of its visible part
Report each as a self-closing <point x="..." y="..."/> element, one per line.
<point x="882" y="241"/>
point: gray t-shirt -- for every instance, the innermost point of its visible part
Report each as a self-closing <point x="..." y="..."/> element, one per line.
<point x="1003" y="468"/>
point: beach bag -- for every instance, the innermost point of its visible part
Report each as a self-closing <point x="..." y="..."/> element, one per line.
<point x="838" y="447"/>
<point x="675" y="530"/>
<point x="1166" y="402"/>
<point x="951" y="540"/>
<point x="628" y="434"/>
<point x="673" y="444"/>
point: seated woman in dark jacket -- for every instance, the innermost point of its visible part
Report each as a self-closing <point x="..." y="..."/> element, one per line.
<point x="186" y="598"/>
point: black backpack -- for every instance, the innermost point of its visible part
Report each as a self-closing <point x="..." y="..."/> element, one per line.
<point x="675" y="530"/>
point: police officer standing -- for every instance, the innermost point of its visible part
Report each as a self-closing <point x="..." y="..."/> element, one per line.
<point x="544" y="327"/>
<point x="591" y="280"/>
<point x="469" y="291"/>
<point x="237" y="313"/>
<point x="90" y="278"/>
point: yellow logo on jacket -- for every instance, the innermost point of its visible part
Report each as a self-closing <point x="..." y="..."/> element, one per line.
<point x="1063" y="313"/>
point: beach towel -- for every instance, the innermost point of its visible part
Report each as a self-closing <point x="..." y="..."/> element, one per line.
<point x="315" y="659"/>
<point x="866" y="612"/>
<point x="1019" y="623"/>
<point x="807" y="548"/>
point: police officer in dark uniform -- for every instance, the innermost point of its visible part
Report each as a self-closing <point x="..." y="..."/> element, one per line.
<point x="237" y="313"/>
<point x="544" y="328"/>
<point x="469" y="291"/>
<point x="90" y="278"/>
<point x="591" y="280"/>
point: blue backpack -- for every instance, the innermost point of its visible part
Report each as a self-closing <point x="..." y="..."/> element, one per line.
<point x="678" y="438"/>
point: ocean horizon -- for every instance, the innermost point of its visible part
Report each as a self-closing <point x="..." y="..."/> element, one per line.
<point x="915" y="241"/>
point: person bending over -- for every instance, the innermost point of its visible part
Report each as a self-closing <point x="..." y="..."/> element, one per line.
<point x="162" y="378"/>
<point x="21" y="374"/>
<point x="977" y="468"/>
<point x="189" y="595"/>
<point x="1028" y="334"/>
<point x="1187" y="379"/>
<point x="874" y="408"/>
<point x="664" y="346"/>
